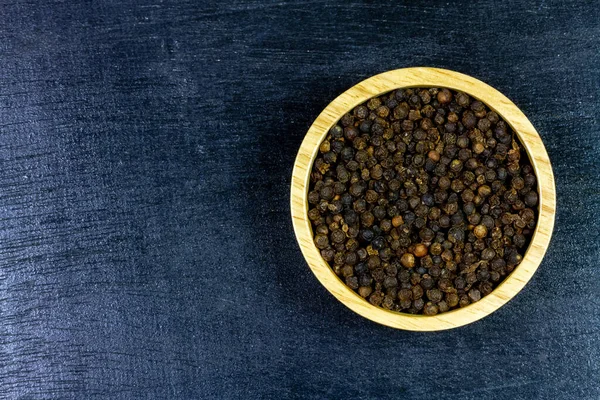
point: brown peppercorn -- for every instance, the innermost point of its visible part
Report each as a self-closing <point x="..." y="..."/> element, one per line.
<point x="373" y="103"/>
<point x="444" y="96"/>
<point x="430" y="309"/>
<point x="321" y="241"/>
<point x="414" y="115"/>
<point x="408" y="260"/>
<point x="388" y="302"/>
<point x="434" y="155"/>
<point x="478" y="148"/>
<point x="347" y="271"/>
<point x="464" y="301"/>
<point x="442" y="306"/>
<point x="451" y="299"/>
<point x="425" y="96"/>
<point x="367" y="219"/>
<point x="365" y="291"/>
<point x="376" y="298"/>
<point x="371" y="196"/>
<point x="405" y="294"/>
<point x="436" y="249"/>
<point x="484" y="191"/>
<point x="382" y="111"/>
<point x="420" y="250"/>
<point x="397" y="221"/>
<point x="480" y="231"/>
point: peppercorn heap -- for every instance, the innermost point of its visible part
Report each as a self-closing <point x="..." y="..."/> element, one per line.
<point x="422" y="200"/>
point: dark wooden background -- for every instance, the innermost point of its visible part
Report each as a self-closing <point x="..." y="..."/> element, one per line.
<point x="146" y="247"/>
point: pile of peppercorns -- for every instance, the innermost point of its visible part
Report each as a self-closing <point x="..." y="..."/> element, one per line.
<point x="422" y="200"/>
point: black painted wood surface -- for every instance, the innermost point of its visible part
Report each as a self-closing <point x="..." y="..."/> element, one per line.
<point x="146" y="248"/>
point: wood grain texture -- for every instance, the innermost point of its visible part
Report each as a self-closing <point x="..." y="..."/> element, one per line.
<point x="424" y="77"/>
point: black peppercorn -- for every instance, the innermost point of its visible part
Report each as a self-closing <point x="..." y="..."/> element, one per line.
<point x="321" y="241"/>
<point x="418" y="304"/>
<point x="531" y="199"/>
<point x="422" y="190"/>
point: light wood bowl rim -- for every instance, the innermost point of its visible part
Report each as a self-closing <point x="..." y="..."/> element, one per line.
<point x="424" y="77"/>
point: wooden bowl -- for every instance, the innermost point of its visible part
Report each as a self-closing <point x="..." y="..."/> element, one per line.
<point x="424" y="77"/>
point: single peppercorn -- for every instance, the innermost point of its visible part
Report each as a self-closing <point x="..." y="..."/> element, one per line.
<point x="408" y="260"/>
<point x="480" y="231"/>
<point x="418" y="304"/>
<point x="365" y="291"/>
<point x="397" y="221"/>
<point x="531" y="199"/>
<point x="444" y="96"/>
<point x="321" y="241"/>
<point x="434" y="295"/>
<point x="420" y="250"/>
<point x="417" y="291"/>
<point x="430" y="309"/>
<point x="474" y="295"/>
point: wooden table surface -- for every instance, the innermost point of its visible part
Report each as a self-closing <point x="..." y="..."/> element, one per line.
<point x="146" y="244"/>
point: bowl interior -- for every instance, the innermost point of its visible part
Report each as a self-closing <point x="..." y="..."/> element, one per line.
<point x="424" y="77"/>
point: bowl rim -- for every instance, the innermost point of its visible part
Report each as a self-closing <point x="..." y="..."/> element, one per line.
<point x="424" y="77"/>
